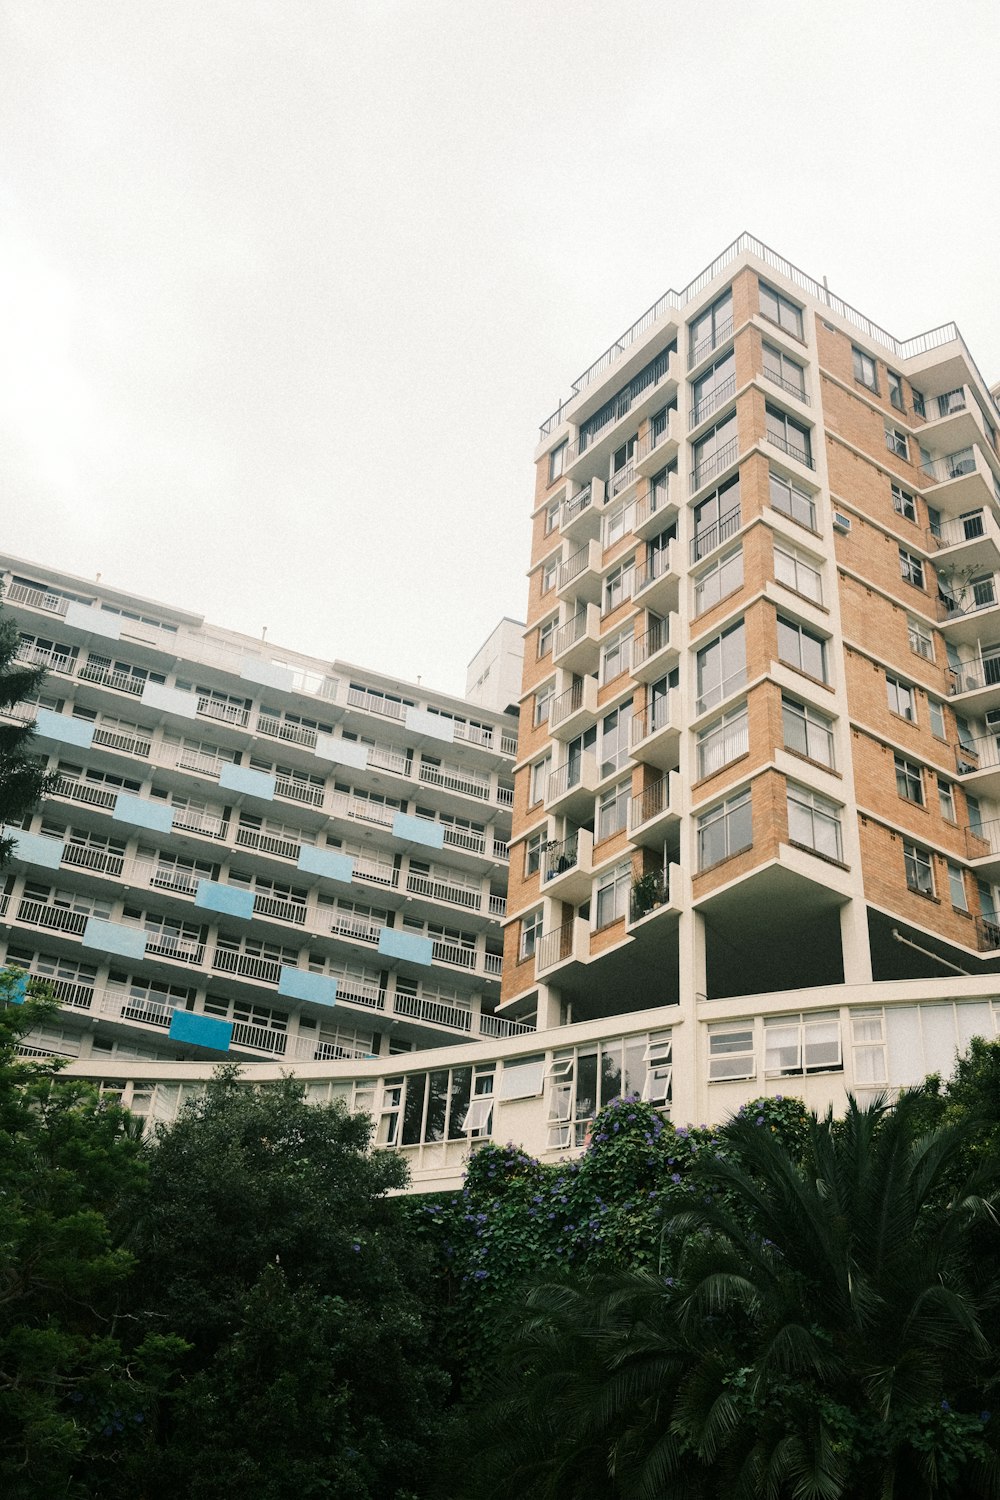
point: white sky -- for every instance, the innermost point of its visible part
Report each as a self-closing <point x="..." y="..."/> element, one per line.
<point x="286" y="286"/>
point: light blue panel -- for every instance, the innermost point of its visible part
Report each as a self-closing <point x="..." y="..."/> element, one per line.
<point x="170" y="700"/>
<point x="33" y="849"/>
<point x="298" y="984"/>
<point x="242" y="779"/>
<point x="226" y="898"/>
<point x="19" y="993"/>
<point x="143" y="814"/>
<point x="326" y="862"/>
<point x="114" y="937"/>
<point x="68" y="731"/>
<point x="418" y="950"/>
<point x="342" y="752"/>
<point x="267" y="673"/>
<point x="201" y="1031"/>
<point x="83" y="617"/>
<point x="418" y="831"/>
<point x="438" y="727"/>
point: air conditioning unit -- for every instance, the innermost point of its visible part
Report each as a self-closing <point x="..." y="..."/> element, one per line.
<point x="841" y="522"/>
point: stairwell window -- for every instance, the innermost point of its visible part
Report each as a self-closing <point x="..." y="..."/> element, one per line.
<point x="778" y="309"/>
<point x="725" y="830"/>
<point x="865" y="369"/>
<point x="919" y="869"/>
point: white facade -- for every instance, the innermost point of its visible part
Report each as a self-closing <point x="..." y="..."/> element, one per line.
<point x="493" y="678"/>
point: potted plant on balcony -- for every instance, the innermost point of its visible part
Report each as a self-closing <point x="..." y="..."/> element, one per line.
<point x="648" y="891"/>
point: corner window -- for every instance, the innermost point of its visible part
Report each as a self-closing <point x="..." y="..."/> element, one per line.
<point x="780" y="310"/>
<point x="791" y="501"/>
<point x="895" y="390"/>
<point x="722" y="577"/>
<point x="918" y="402"/>
<point x="814" y="821"/>
<point x="797" y="572"/>
<point x="724" y="741"/>
<point x="721" y="667"/>
<point x="789" y="435"/>
<point x="725" y="830"/>
<point x="716" y="519"/>
<point x="865" y="369"/>
<point x="800" y="648"/>
<point x="715" y="451"/>
<point x="783" y="371"/>
<point x="807" y="731"/>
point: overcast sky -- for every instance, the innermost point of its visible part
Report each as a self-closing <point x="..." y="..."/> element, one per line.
<point x="286" y="286"/>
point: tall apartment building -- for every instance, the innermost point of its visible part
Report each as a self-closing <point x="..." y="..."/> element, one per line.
<point x="756" y="805"/>
<point x="249" y="852"/>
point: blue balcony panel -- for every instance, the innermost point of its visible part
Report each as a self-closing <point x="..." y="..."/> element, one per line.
<point x="407" y="945"/>
<point x="33" y="849"/>
<point x="326" y="862"/>
<point x="299" y="984"/>
<point x="418" y="831"/>
<point x="67" y="731"/>
<point x="18" y="992"/>
<point x="253" y="783"/>
<point x="200" y="1031"/>
<point x="419" y="721"/>
<point x="168" y="700"/>
<point x="215" y="896"/>
<point x="341" y="752"/>
<point x="114" y="937"/>
<point x="142" y="813"/>
<point x="97" y="621"/>
<point x="266" y="673"/>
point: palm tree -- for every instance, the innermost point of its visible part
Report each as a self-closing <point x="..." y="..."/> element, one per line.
<point x="820" y="1337"/>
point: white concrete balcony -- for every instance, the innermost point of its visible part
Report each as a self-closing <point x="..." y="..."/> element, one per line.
<point x="954" y="420"/>
<point x="223" y="713"/>
<point x="565" y="945"/>
<point x="654" y="810"/>
<point x="20" y="593"/>
<point x="969" y="541"/>
<point x="437" y="1012"/>
<point x="580" y="517"/>
<point x="174" y="946"/>
<point x="657" y="650"/>
<point x="659" y="445"/>
<point x="289" y="734"/>
<point x="580" y="575"/>
<point x="119" y="682"/>
<point x="960" y="481"/>
<point x="360" y="810"/>
<point x="83" y="791"/>
<point x="571" y="789"/>
<point x="371" y="703"/>
<point x="247" y="966"/>
<point x="657" y="582"/>
<point x="292" y="789"/>
<point x="443" y="890"/>
<point x="574" y="709"/>
<point x="54" y="918"/>
<point x="567" y="867"/>
<point x="655" y="735"/>
<point x="656" y="509"/>
<point x="358" y="929"/>
<point x="266" y="843"/>
<point x="451" y="779"/>
<point x="47" y="657"/>
<point x="577" y="643"/>
<point x="125" y="742"/>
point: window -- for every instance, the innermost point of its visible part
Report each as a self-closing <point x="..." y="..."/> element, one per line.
<point x="552" y="516"/>
<point x="723" y="577"/>
<point x="901" y="697"/>
<point x="725" y="830"/>
<point x="557" y="462"/>
<point x="616" y="656"/>
<point x="788" y="435"/>
<point x="533" y="852"/>
<point x="794" y="1045"/>
<point x="724" y="741"/>
<point x="797" y="572"/>
<point x="614" y="739"/>
<point x="780" y="310"/>
<point x="721" y="667"/>
<point x="612" y="810"/>
<point x="791" y="501"/>
<point x="918" y="402"/>
<point x="786" y="372"/>
<point x="531" y="931"/>
<point x="715" y="451"/>
<point x="921" y="640"/>
<point x="618" y="585"/>
<point x="799" y="647"/>
<point x="658" y="1057"/>
<point x="950" y="402"/>
<point x="911" y="569"/>
<point x="807" y="732"/>
<point x="713" y="388"/>
<point x="909" y="781"/>
<point x="896" y="443"/>
<point x="710" y="327"/>
<point x="549" y="569"/>
<point x="956" y="888"/>
<point x="903" y="503"/>
<point x="814" y="821"/>
<point x="543" y="703"/>
<point x="895" y="390"/>
<point x="919" y="872"/>
<point x="935" y="712"/>
<point x="730" y="1052"/>
<point x="611" y="900"/>
<point x="865" y="369"/>
<point x="946" y="800"/>
<point x="539" y="776"/>
<point x="618" y="522"/>
<point x="546" y="635"/>
<point x="716" y="519"/>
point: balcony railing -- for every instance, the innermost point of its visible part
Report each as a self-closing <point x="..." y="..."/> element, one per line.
<point x="653" y="640"/>
<point x="558" y="858"/>
<point x="195" y="820"/>
<point x="294" y="790"/>
<point x="361" y="992"/>
<point x="980" y="754"/>
<point x="388" y="708"/>
<point x="84" y="791"/>
<point x="455" y="954"/>
<point x="710" y="467"/>
<point x="552" y="947"/>
<point x="650" y="802"/>
<point x="225" y="713"/>
<point x="647" y="721"/>
<point x="378" y="872"/>
<point x="283" y="911"/>
<point x="713" y="401"/>
<point x="293" y="734"/>
<point x="40" y="656"/>
<point x="441" y="890"/>
<point x="622" y="478"/>
<point x="122" y="682"/>
<point x="973" y="675"/>
<point x="164" y="877"/>
<point x="128" y="742"/>
<point x="455" y="781"/>
<point x="99" y="860"/>
<point x="259" y="1038"/>
<point x="181" y="950"/>
<point x="952" y="466"/>
<point x="798" y="391"/>
<point x="435" y="1011"/>
<point x="574" y="565"/>
<point x="361" y="810"/>
<point x="656" y="566"/>
<point x="20" y="593"/>
<point x="567" y="703"/>
<point x="493" y="964"/>
<point x="67" y="991"/>
<point x="576" y="505"/>
<point x="387" y="758"/>
<point x="362" y="929"/>
<point x="501" y="1026"/>
<point x="705" y="346"/>
<point x="567" y="635"/>
<point x="465" y="838"/>
<point x="962" y="529"/>
<point x="496" y="905"/>
<point x="793" y="450"/>
<point x="58" y="918"/>
<point x="709" y="537"/>
<point x="247" y="965"/>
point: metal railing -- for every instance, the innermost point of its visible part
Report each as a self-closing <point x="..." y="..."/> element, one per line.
<point x="39" y="656"/>
<point x="501" y="1026"/>
<point x="709" y="468"/>
<point x="567" y="703"/>
<point x="58" y="918"/>
<point x="82" y="791"/>
<point x="455" y="954"/>
<point x="653" y="640"/>
<point x="576" y="505"/>
<point x="225" y="713"/>
<point x="435" y="1011"/>
<point x="455" y="781"/>
<point x="361" y="929"/>
<point x="656" y="566"/>
<point x="496" y="905"/>
<point x="377" y="872"/>
<point x="361" y="992"/>
<point x="793" y="450"/>
<point x="122" y="682"/>
<point x="99" y="860"/>
<point x="247" y="965"/>
<point x="650" y="802"/>
<point x="464" y="838"/>
<point x="283" y="911"/>
<point x="974" y="675"/>
<point x="961" y="529"/>
<point x="501" y="849"/>
<point x="293" y="734"/>
<point x="163" y="877"/>
<point x="259" y="1038"/>
<point x="294" y="790"/>
<point x="951" y="466"/>
<point x="653" y="503"/>
<point x="557" y="858"/>
<point x="797" y="391"/>
<point x="647" y="721"/>
<point x="709" y="537"/>
<point x="552" y="947"/>
<point x="20" y="593"/>
<point x="347" y="805"/>
<point x="574" y="565"/>
<point x="372" y="704"/>
<point x="707" y="346"/>
<point x="118" y="739"/>
<point x="567" y="635"/>
<point x="181" y="950"/>
<point x="387" y="758"/>
<point x="441" y="890"/>
<point x="713" y="401"/>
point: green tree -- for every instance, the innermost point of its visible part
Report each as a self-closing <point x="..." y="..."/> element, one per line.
<point x="270" y="1243"/>
<point x="818" y="1333"/>
<point x="67" y="1163"/>
<point x="22" y="779"/>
